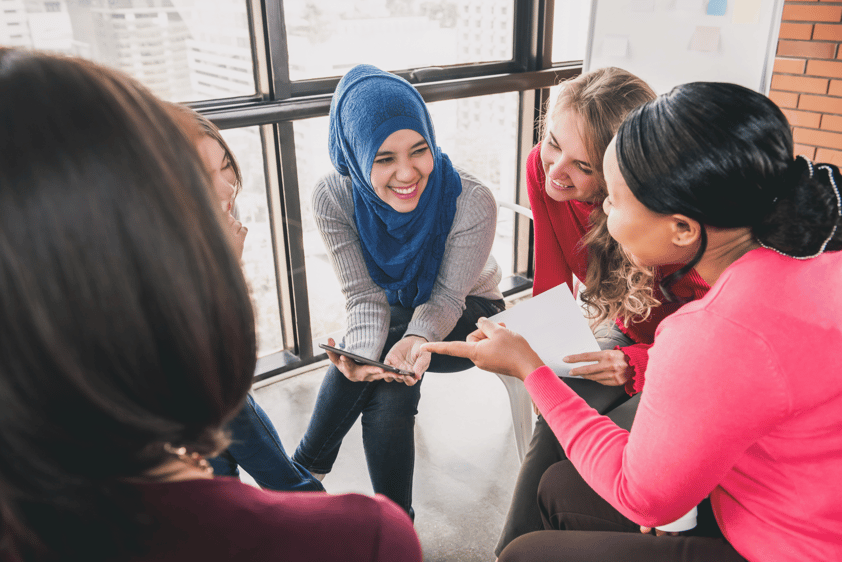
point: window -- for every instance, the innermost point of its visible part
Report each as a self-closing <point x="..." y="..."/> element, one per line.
<point x="269" y="88"/>
<point x="258" y="256"/>
<point x="391" y="35"/>
<point x="96" y="29"/>
<point x="570" y="29"/>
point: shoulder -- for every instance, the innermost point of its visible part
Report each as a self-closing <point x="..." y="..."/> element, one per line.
<point x="534" y="167"/>
<point x="534" y="158"/>
<point x="475" y="196"/>
<point x="332" y="189"/>
<point x="231" y="512"/>
<point x="752" y="291"/>
<point x="333" y="195"/>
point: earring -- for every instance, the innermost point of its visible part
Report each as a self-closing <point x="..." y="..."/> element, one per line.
<point x="193" y="459"/>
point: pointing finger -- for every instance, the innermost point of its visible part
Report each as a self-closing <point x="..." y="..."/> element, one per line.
<point x="454" y="348"/>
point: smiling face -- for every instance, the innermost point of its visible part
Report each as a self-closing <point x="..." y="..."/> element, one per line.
<point x="401" y="168"/>
<point x="570" y="175"/>
<point x="649" y="238"/>
<point x="219" y="167"/>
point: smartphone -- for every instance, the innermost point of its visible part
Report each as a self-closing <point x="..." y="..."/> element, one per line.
<point x="366" y="360"/>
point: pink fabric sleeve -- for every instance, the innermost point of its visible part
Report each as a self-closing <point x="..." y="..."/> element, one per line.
<point x="638" y="355"/>
<point x="703" y="407"/>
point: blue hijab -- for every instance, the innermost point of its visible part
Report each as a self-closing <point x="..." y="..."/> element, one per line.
<point x="402" y="251"/>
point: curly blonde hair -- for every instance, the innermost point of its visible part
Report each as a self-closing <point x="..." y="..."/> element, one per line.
<point x="614" y="285"/>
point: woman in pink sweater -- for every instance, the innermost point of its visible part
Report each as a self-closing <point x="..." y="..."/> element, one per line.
<point x="743" y="400"/>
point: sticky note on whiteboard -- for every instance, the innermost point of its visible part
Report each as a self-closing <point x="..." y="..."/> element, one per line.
<point x="746" y="11"/>
<point x="642" y="5"/>
<point x="717" y="7"/>
<point x="615" y="46"/>
<point x="705" y="39"/>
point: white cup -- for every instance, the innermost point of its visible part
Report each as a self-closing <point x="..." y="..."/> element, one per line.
<point x="684" y="524"/>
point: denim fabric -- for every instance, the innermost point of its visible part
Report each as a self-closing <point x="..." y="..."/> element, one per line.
<point x="388" y="411"/>
<point x="256" y="447"/>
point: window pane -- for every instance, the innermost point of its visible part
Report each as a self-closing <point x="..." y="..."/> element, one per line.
<point x="183" y="50"/>
<point x="570" y="29"/>
<point x="478" y="134"/>
<point x="328" y="37"/>
<point x="258" y="259"/>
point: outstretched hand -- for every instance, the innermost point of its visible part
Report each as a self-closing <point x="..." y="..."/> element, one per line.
<point x="493" y="347"/>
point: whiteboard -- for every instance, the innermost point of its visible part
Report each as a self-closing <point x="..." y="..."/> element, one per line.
<point x="670" y="42"/>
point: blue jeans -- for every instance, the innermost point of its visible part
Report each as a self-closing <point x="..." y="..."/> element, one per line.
<point x="257" y="448"/>
<point x="388" y="411"/>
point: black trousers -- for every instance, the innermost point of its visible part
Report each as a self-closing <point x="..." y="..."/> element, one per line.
<point x="583" y="527"/>
<point x="545" y="450"/>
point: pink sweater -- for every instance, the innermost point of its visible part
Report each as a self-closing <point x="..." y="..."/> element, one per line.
<point x="743" y="402"/>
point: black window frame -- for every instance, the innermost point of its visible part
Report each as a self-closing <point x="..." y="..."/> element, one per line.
<point x="279" y="102"/>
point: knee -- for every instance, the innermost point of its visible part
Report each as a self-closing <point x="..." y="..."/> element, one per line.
<point x="560" y="475"/>
<point x="557" y="483"/>
<point x="393" y="401"/>
<point x="522" y="549"/>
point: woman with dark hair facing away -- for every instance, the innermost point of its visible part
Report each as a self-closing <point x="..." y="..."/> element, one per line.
<point x="410" y="238"/>
<point x="566" y="187"/>
<point x="743" y="399"/>
<point x="128" y="342"/>
<point x="255" y="444"/>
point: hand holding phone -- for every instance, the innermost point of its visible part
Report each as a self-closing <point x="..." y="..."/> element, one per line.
<point x="359" y="359"/>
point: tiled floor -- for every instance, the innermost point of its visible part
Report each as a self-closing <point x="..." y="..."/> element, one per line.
<point x="466" y="460"/>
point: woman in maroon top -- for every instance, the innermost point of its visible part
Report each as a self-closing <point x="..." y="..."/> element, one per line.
<point x="128" y="342"/>
<point x="566" y="188"/>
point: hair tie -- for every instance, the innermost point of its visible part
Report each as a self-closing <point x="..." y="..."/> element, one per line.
<point x="789" y="178"/>
<point x="827" y="240"/>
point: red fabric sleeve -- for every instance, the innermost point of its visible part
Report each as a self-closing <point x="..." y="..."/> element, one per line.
<point x="551" y="268"/>
<point x="638" y="357"/>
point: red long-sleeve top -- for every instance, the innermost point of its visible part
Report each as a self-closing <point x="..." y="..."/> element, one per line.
<point x="559" y="255"/>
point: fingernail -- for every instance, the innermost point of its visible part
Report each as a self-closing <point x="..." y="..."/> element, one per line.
<point x="481" y="320"/>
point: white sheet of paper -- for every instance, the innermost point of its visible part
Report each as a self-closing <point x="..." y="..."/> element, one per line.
<point x="705" y="38"/>
<point x="746" y="11"/>
<point x="615" y="45"/>
<point x="554" y="326"/>
<point x="642" y="5"/>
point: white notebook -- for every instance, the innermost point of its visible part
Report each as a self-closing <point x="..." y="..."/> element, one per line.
<point x="554" y="326"/>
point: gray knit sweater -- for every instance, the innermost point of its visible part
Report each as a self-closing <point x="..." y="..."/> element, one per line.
<point x="467" y="268"/>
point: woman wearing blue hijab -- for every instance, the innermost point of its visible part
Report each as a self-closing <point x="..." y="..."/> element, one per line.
<point x="410" y="239"/>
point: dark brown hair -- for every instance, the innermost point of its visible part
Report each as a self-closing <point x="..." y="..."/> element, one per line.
<point x="125" y="316"/>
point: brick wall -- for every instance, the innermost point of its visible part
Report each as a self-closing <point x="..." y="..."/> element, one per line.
<point x="807" y="77"/>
